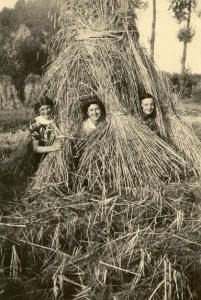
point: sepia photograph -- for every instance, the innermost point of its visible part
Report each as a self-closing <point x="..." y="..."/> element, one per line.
<point x="100" y="149"/>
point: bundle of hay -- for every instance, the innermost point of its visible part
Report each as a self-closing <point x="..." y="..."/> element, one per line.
<point x="32" y="89"/>
<point x="8" y="94"/>
<point x="97" y="51"/>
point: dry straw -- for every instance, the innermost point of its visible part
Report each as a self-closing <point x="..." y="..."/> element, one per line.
<point x="82" y="247"/>
<point x="99" y="53"/>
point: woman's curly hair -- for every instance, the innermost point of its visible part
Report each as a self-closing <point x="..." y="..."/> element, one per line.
<point x="93" y="100"/>
<point x="43" y="100"/>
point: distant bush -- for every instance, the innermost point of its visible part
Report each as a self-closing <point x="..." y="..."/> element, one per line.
<point x="192" y="84"/>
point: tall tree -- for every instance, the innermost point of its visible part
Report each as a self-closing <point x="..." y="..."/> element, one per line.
<point x="153" y="32"/>
<point x="182" y="10"/>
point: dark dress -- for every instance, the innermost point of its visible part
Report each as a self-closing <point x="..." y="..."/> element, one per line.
<point x="149" y="120"/>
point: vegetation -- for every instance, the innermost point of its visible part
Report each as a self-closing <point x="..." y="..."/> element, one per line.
<point x="11" y="120"/>
<point x="182" y="11"/>
<point x="27" y="54"/>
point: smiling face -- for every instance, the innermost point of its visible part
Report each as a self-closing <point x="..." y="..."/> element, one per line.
<point x="45" y="111"/>
<point x="147" y="105"/>
<point x="94" y="113"/>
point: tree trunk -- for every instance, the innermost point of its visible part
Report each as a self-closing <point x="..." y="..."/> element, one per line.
<point x="153" y="32"/>
<point x="183" y="63"/>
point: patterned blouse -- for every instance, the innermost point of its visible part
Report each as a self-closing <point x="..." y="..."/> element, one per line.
<point x="42" y="130"/>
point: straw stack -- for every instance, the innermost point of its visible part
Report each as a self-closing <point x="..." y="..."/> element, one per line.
<point x="98" y="52"/>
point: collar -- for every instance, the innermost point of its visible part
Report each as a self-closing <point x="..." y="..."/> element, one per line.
<point x="42" y="120"/>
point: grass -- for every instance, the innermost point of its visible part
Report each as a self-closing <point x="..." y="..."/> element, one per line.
<point x="11" y="120"/>
<point x="191" y="107"/>
<point x="13" y="135"/>
<point x="10" y="141"/>
<point x="193" y="114"/>
<point x="13" y="132"/>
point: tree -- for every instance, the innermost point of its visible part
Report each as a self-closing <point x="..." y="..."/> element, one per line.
<point x="19" y="57"/>
<point x="182" y="10"/>
<point x="7" y="22"/>
<point x="153" y="33"/>
<point x="7" y="63"/>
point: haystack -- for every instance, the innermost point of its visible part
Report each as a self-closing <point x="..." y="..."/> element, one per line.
<point x="32" y="89"/>
<point x="97" y="51"/>
<point x="8" y="94"/>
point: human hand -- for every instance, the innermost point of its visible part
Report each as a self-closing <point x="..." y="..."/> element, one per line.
<point x="56" y="146"/>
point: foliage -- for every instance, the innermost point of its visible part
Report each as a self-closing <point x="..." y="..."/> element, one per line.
<point x="7" y="22"/>
<point x="181" y="8"/>
<point x="186" y="35"/>
<point x="182" y="11"/>
<point x="190" y="82"/>
<point x="33" y="54"/>
<point x="35" y="15"/>
<point x="24" y="56"/>
<point x="7" y="63"/>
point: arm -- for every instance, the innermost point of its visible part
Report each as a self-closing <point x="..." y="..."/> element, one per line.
<point x="56" y="146"/>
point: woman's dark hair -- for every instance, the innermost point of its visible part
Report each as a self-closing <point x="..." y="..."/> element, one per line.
<point x="43" y="100"/>
<point x="93" y="100"/>
<point x="145" y="96"/>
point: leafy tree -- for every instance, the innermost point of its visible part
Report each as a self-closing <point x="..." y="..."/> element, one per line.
<point x="182" y="11"/>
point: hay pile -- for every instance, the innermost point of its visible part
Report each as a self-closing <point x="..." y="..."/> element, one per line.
<point x="97" y="52"/>
<point x="82" y="247"/>
<point x="32" y="89"/>
<point x="8" y="94"/>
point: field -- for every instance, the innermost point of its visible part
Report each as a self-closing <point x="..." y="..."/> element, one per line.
<point x="85" y="247"/>
<point x="13" y="133"/>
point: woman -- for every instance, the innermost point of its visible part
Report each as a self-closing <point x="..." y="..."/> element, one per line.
<point x="43" y="132"/>
<point x="94" y="115"/>
<point x="148" y="111"/>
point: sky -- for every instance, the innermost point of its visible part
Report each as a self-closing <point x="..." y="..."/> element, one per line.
<point x="168" y="50"/>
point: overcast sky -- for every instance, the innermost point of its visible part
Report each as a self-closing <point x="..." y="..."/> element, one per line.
<point x="168" y="50"/>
